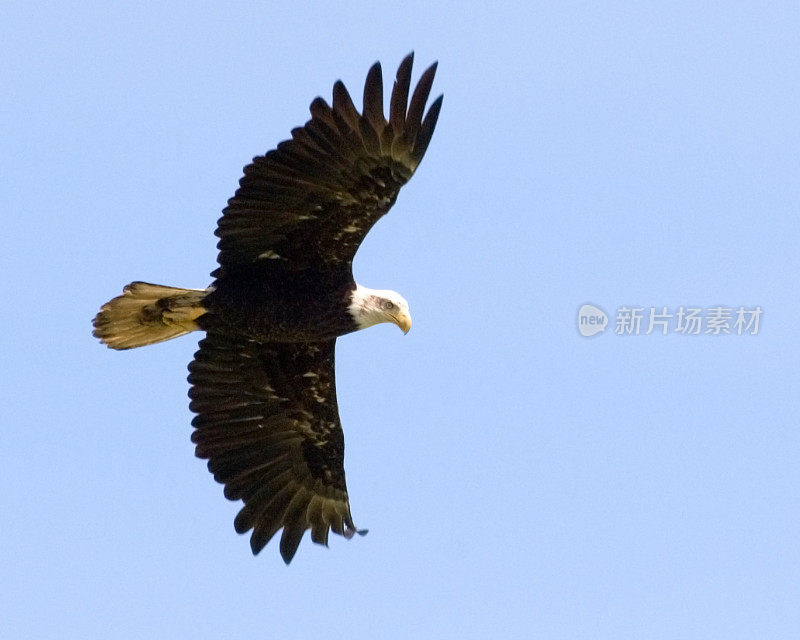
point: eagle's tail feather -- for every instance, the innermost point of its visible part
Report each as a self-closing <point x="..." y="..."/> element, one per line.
<point x="148" y="313"/>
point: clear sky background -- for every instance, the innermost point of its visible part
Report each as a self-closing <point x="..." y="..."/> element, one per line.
<point x="518" y="479"/>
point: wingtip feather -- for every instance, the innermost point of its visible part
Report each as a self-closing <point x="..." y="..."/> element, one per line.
<point x="416" y="107"/>
<point x="399" y="100"/>
<point x="426" y="130"/>
<point x="373" y="97"/>
<point x="343" y="105"/>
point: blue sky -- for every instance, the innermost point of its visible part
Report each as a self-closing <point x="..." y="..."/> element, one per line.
<point x="518" y="480"/>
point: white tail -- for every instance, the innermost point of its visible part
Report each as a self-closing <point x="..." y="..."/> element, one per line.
<point x="148" y="313"/>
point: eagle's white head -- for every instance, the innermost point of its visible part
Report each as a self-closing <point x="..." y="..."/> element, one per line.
<point x="373" y="306"/>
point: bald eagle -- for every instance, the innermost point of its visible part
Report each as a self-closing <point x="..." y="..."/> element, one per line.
<point x="262" y="381"/>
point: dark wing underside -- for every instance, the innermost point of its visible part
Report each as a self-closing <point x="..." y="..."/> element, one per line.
<point x="269" y="426"/>
<point x="311" y="201"/>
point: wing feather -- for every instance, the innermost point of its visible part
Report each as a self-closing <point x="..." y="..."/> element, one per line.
<point x="373" y="97"/>
<point x="426" y="130"/>
<point x="399" y="100"/>
<point x="295" y="517"/>
<point x="272" y="436"/>
<point x="312" y="200"/>
<point x="416" y="107"/>
<point x="343" y="105"/>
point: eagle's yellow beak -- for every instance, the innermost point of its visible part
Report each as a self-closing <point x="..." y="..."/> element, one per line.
<point x="403" y="320"/>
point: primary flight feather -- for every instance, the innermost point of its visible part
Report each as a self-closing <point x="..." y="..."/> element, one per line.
<point x="262" y="381"/>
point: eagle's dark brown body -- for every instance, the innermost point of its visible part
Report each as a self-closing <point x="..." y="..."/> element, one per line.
<point x="273" y="303"/>
<point x="262" y="381"/>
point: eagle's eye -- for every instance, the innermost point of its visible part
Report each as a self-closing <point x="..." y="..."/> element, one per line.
<point x="388" y="305"/>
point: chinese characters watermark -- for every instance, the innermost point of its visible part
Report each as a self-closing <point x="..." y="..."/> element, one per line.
<point x="685" y="320"/>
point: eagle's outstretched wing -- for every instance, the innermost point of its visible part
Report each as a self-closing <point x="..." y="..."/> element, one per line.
<point x="311" y="201"/>
<point x="269" y="426"/>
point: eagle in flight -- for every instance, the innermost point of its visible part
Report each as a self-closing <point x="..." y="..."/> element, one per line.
<point x="262" y="381"/>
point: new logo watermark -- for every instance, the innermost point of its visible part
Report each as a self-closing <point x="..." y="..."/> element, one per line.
<point x="684" y="320"/>
<point x="591" y="320"/>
